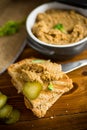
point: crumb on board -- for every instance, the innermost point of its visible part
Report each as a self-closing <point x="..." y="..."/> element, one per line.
<point x="51" y="117"/>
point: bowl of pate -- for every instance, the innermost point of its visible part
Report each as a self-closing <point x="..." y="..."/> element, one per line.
<point x="57" y="30"/>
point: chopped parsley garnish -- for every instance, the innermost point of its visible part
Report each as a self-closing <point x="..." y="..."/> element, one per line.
<point x="10" y="28"/>
<point x="38" y="61"/>
<point x="60" y="27"/>
<point x="50" y="86"/>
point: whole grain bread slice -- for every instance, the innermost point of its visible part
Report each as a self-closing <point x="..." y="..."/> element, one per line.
<point x="43" y="71"/>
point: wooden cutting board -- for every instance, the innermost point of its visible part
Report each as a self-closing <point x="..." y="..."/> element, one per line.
<point x="70" y="111"/>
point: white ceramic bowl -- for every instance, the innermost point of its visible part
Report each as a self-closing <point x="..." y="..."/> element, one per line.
<point x="60" y="52"/>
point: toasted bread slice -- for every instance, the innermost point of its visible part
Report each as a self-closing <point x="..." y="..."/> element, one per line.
<point x="44" y="72"/>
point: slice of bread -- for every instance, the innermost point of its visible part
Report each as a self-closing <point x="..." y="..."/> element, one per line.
<point x="44" y="72"/>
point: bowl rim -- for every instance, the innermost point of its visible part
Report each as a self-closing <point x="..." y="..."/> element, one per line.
<point x="52" y="4"/>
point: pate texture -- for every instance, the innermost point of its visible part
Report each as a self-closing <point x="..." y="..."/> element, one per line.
<point x="75" y="26"/>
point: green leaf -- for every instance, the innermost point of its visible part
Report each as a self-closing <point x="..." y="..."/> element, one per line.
<point x="50" y="86"/>
<point x="10" y="28"/>
<point x="60" y="27"/>
<point x="38" y="61"/>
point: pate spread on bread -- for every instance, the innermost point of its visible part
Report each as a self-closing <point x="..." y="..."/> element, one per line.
<point x="41" y="82"/>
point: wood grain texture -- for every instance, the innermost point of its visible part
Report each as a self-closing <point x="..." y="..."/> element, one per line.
<point x="69" y="112"/>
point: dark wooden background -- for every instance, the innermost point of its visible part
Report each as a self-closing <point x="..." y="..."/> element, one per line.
<point x="70" y="111"/>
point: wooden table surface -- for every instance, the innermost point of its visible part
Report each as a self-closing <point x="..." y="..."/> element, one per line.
<point x="70" y="111"/>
